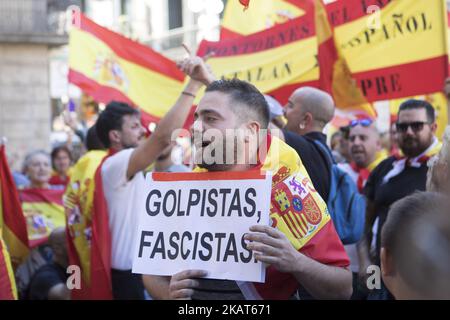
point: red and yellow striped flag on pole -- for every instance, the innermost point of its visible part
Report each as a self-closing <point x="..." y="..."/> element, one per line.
<point x="109" y="67"/>
<point x="12" y="222"/>
<point x="335" y="75"/>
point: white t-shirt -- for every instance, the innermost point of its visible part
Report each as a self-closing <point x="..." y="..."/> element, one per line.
<point x="122" y="198"/>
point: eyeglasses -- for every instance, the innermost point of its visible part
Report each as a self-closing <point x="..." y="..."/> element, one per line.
<point x="363" y="122"/>
<point x="415" y="126"/>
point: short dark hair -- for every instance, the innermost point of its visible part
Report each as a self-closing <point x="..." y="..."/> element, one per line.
<point x="417" y="236"/>
<point x="412" y="104"/>
<point x="57" y="150"/>
<point x="112" y="119"/>
<point x="92" y="141"/>
<point x="245" y="94"/>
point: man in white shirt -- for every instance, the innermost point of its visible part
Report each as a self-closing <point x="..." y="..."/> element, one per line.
<point x="120" y="130"/>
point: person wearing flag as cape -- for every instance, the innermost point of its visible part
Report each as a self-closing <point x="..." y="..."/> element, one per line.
<point x="301" y="247"/>
<point x="119" y="180"/>
<point x="398" y="176"/>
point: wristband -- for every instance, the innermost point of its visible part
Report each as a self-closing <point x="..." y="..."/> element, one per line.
<point x="188" y="94"/>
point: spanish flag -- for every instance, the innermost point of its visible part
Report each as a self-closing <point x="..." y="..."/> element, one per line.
<point x="297" y="210"/>
<point x="108" y="66"/>
<point x="335" y="76"/>
<point x="397" y="51"/>
<point x="44" y="211"/>
<point x="8" y="290"/>
<point x="79" y="206"/>
<point x="12" y="222"/>
<point x="263" y="15"/>
<point x="437" y="100"/>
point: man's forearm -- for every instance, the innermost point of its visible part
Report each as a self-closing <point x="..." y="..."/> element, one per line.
<point x="323" y="281"/>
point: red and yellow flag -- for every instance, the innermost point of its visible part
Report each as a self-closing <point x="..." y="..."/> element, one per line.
<point x="270" y="59"/>
<point x="79" y="207"/>
<point x="109" y="67"/>
<point x="12" y="222"/>
<point x="44" y="211"/>
<point x="399" y="50"/>
<point x="8" y="290"/>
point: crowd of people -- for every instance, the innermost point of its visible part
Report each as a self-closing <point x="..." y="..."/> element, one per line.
<point x="405" y="188"/>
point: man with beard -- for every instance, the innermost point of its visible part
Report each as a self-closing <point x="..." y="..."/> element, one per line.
<point x="398" y="176"/>
<point x="366" y="154"/>
<point x="122" y="179"/>
<point x="235" y="111"/>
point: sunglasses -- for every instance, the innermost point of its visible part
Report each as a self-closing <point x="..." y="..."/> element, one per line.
<point x="415" y="126"/>
<point x="363" y="122"/>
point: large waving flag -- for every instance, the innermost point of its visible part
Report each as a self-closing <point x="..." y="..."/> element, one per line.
<point x="12" y="222"/>
<point x="109" y="67"/>
<point x="44" y="211"/>
<point x="270" y="59"/>
<point x="79" y="206"/>
<point x="8" y="289"/>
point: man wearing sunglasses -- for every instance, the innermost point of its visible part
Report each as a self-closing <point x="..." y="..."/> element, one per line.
<point x="398" y="176"/>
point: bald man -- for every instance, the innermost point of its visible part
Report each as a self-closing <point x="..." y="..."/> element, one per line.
<point x="307" y="112"/>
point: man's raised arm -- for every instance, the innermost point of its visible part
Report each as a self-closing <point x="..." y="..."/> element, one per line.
<point x="147" y="152"/>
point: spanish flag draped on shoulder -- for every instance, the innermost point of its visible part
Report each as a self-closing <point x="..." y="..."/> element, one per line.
<point x="79" y="204"/>
<point x="109" y="67"/>
<point x="12" y="222"/>
<point x="297" y="210"/>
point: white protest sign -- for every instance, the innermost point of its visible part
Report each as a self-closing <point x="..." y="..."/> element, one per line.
<point x="198" y="221"/>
